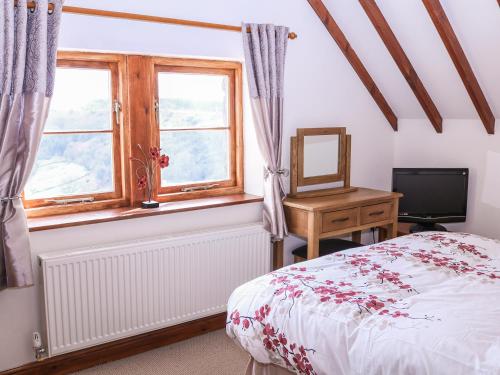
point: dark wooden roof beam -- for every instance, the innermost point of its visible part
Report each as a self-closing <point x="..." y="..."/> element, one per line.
<point x="450" y="40"/>
<point x="354" y="60"/>
<point x="386" y="34"/>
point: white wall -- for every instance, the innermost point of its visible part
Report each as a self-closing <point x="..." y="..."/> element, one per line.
<point x="321" y="90"/>
<point x="21" y="309"/>
<point x="463" y="144"/>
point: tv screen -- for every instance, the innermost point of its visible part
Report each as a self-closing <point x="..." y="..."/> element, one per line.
<point x="431" y="194"/>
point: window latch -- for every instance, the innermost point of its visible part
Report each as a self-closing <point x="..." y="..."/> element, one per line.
<point x="198" y="188"/>
<point x="117" y="108"/>
<point x="157" y="111"/>
<point x="70" y="200"/>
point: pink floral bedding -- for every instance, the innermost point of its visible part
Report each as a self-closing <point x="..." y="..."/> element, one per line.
<point x="425" y="303"/>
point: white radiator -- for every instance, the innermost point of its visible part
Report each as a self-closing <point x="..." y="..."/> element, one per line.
<point x="95" y="295"/>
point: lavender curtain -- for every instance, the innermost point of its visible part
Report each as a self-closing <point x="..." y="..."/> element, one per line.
<point x="265" y="50"/>
<point x="28" y="46"/>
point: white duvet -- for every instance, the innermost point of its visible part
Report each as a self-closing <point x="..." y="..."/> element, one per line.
<point x="421" y="304"/>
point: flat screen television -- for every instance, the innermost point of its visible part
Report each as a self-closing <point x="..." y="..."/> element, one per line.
<point x="431" y="196"/>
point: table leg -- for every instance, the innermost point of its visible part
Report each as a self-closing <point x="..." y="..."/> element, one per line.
<point x="382" y="234"/>
<point x="313" y="225"/>
<point x="356" y="236"/>
<point x="392" y="230"/>
<point x="277" y="255"/>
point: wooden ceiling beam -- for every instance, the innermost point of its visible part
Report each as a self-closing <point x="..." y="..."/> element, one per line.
<point x="386" y="34"/>
<point x="354" y="60"/>
<point x="450" y="40"/>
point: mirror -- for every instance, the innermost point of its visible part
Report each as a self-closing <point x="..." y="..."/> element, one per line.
<point x="321" y="155"/>
<point x="320" y="158"/>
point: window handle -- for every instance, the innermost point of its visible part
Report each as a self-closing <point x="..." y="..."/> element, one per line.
<point x="198" y="188"/>
<point x="71" y="200"/>
<point x="157" y="111"/>
<point x="117" y="108"/>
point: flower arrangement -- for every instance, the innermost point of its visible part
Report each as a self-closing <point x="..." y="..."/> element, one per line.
<point x="146" y="172"/>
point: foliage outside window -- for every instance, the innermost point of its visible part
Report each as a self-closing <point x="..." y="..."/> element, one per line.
<point x="196" y="122"/>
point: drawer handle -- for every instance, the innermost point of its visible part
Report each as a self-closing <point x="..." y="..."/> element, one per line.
<point x="376" y="213"/>
<point x="341" y="220"/>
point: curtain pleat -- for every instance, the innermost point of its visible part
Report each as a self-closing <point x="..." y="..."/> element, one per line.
<point x="27" y="68"/>
<point x="265" y="51"/>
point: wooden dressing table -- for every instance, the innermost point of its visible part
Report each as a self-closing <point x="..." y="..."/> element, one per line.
<point x="320" y="156"/>
<point x="336" y="215"/>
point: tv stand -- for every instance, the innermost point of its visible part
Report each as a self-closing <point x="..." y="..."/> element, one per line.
<point x="427" y="227"/>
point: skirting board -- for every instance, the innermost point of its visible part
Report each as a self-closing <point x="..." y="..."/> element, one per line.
<point x="112" y="351"/>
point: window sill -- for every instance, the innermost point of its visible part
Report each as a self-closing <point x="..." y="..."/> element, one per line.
<point x="124" y="213"/>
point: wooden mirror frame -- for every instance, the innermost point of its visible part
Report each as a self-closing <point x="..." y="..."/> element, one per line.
<point x="321" y="179"/>
<point x="297" y="178"/>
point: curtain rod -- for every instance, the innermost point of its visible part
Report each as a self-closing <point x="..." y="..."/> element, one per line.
<point x="144" y="17"/>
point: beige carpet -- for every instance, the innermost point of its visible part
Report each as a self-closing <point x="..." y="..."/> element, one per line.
<point x="210" y="354"/>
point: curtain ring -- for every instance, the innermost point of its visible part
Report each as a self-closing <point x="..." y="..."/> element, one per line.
<point x="32" y="10"/>
<point x="51" y="11"/>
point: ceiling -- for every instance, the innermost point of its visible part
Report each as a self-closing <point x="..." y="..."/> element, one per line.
<point x="475" y="22"/>
<point x="477" y="26"/>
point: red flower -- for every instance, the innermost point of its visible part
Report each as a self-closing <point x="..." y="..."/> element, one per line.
<point x="269" y="330"/>
<point x="262" y="311"/>
<point x="268" y="344"/>
<point x="302" y="351"/>
<point x="397" y="314"/>
<point x="246" y="324"/>
<point x="374" y="304"/>
<point x="235" y="317"/>
<point x="282" y="339"/>
<point x="164" y="161"/>
<point x="141" y="183"/>
<point x="296" y="294"/>
<point x="154" y="152"/>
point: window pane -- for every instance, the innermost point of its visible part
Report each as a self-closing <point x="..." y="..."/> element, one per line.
<point x="81" y="101"/>
<point x="195" y="156"/>
<point x="193" y="100"/>
<point x="72" y="165"/>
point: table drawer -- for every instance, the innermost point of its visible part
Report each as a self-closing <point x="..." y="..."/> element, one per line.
<point x="336" y="220"/>
<point x="376" y="212"/>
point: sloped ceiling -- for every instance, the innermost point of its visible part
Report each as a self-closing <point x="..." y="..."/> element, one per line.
<point x="475" y="22"/>
<point x="477" y="26"/>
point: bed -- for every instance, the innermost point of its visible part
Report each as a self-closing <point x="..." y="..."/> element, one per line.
<point x="426" y="303"/>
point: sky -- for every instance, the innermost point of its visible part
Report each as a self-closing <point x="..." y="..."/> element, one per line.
<point x="196" y="87"/>
<point x="76" y="87"/>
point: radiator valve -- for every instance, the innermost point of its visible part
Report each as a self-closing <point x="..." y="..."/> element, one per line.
<point x="40" y="351"/>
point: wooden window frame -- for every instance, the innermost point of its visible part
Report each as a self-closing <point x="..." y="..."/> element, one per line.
<point x="135" y="87"/>
<point x="233" y="71"/>
<point x="115" y="63"/>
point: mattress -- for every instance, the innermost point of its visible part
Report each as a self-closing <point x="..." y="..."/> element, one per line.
<point x="427" y="303"/>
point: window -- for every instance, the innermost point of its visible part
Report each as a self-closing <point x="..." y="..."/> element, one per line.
<point x="79" y="158"/>
<point x="106" y="104"/>
<point x="196" y="121"/>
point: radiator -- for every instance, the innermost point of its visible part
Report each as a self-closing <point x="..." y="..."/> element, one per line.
<point x="99" y="294"/>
